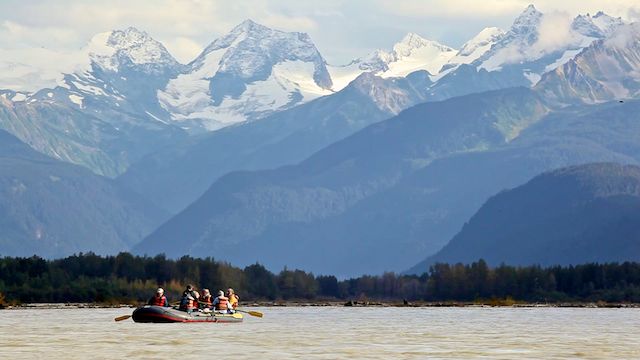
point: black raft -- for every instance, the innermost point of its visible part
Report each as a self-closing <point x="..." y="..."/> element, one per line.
<point x="159" y="314"/>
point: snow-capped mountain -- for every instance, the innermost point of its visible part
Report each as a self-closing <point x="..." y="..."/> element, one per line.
<point x="608" y="69"/>
<point x="598" y="26"/>
<point x="129" y="95"/>
<point x="129" y="48"/>
<point x="474" y="48"/>
<point x="120" y="70"/>
<point x="105" y="114"/>
<point x="415" y="53"/>
<point x="252" y="71"/>
<point x="537" y="43"/>
<point x="412" y="53"/>
<point x="125" y="69"/>
<point x="534" y="45"/>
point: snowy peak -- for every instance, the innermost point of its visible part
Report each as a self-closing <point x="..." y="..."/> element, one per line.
<point x="377" y="61"/>
<point x="473" y="49"/>
<point x="246" y="74"/>
<point x="247" y="28"/>
<point x="537" y="43"/>
<point x="608" y="24"/>
<point x="129" y="48"/>
<point x="412" y="42"/>
<point x="527" y="21"/>
<point x="251" y="50"/>
<point x="412" y="53"/>
<point x="486" y="37"/>
<point x="597" y="26"/>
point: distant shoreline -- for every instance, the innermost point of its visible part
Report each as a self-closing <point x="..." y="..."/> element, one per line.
<point x="373" y="304"/>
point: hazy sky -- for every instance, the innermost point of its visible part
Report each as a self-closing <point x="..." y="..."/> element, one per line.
<point x="41" y="30"/>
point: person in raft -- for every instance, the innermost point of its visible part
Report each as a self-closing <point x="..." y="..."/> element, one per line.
<point x="221" y="303"/>
<point x="233" y="298"/>
<point x="206" y="300"/>
<point x="159" y="299"/>
<point x="189" y="300"/>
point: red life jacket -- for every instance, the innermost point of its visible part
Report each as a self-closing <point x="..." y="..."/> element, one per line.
<point x="159" y="301"/>
<point x="223" y="303"/>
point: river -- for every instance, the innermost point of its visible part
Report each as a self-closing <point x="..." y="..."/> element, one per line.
<point x="329" y="333"/>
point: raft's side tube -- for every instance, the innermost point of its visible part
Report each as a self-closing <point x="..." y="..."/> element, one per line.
<point x="159" y="314"/>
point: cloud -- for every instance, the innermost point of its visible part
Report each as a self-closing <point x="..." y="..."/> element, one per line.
<point x="554" y="33"/>
<point x="625" y="37"/>
<point x="15" y="35"/>
<point x="634" y="14"/>
<point x="182" y="48"/>
<point x="460" y="8"/>
<point x="43" y="69"/>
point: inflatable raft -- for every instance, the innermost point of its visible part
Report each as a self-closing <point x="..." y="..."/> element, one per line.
<point x="159" y="314"/>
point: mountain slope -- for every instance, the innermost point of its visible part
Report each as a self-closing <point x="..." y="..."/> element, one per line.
<point x="178" y="175"/>
<point x="245" y="207"/>
<point x="419" y="214"/>
<point x="54" y="209"/>
<point x="588" y="213"/>
<point x="406" y="184"/>
<point x="580" y="135"/>
<point x="607" y="70"/>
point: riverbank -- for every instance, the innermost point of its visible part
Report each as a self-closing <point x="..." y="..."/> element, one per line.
<point x="372" y="304"/>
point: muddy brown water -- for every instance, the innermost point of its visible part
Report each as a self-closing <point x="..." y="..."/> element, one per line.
<point x="329" y="333"/>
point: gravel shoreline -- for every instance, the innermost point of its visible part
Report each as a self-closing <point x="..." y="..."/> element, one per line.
<point x="345" y="304"/>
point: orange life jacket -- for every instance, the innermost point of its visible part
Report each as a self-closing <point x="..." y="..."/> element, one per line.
<point x="206" y="300"/>
<point x="223" y="303"/>
<point x="159" y="301"/>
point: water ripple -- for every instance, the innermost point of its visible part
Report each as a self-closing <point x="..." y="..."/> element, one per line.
<point x="330" y="333"/>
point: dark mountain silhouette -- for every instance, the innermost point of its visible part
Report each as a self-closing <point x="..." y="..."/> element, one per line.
<point x="574" y="215"/>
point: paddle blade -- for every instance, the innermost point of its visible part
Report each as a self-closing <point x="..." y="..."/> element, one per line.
<point x="123" y="317"/>
<point x="255" y="313"/>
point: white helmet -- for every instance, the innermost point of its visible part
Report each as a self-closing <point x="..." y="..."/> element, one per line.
<point x="160" y="291"/>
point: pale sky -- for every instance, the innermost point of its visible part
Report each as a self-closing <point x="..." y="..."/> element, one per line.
<point x="40" y="31"/>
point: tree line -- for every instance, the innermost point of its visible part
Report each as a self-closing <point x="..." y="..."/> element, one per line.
<point x="125" y="278"/>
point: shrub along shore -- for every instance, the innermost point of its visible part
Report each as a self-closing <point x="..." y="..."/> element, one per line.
<point x="126" y="279"/>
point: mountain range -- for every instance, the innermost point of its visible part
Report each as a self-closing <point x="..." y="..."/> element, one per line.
<point x="128" y="97"/>
<point x="289" y="136"/>
<point x="409" y="182"/>
<point x="264" y="152"/>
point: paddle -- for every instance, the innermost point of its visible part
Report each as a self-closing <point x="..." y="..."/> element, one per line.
<point x="252" y="313"/>
<point x="123" y="317"/>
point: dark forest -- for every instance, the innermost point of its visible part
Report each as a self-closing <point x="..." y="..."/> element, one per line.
<point x="132" y="279"/>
